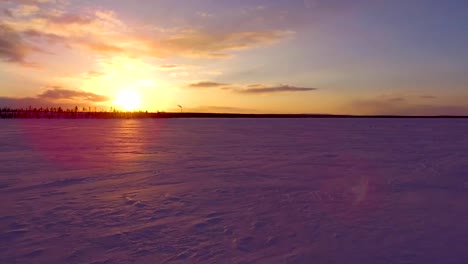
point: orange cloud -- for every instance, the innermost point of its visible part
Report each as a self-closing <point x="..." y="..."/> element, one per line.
<point x="13" y="48"/>
<point x="103" y="33"/>
<point x="206" y="44"/>
<point x="207" y="84"/>
<point x="251" y="89"/>
<point x="256" y="89"/>
<point x="28" y="1"/>
<point x="24" y="10"/>
<point x="384" y="105"/>
<point x="57" y="93"/>
<point x="55" y="96"/>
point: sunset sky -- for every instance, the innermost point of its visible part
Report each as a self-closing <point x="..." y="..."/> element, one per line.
<point x="257" y="56"/>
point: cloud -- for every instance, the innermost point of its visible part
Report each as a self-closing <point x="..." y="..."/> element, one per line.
<point x="102" y="48"/>
<point x="383" y="106"/>
<point x="12" y="47"/>
<point x="429" y="97"/>
<point x="208" y="44"/>
<point x="396" y="99"/>
<point x="24" y="10"/>
<point x="379" y="105"/>
<point x="28" y="1"/>
<point x="174" y="67"/>
<point x="255" y="86"/>
<point x="204" y="14"/>
<point x="436" y="110"/>
<point x="33" y="22"/>
<point x="69" y="19"/>
<point x="220" y="109"/>
<point x="251" y="89"/>
<point x="35" y="35"/>
<point x="55" y="96"/>
<point x="259" y="89"/>
<point x="207" y="84"/>
<point x="91" y="31"/>
<point x="7" y="13"/>
<point x="91" y="74"/>
<point x="169" y="66"/>
<point x="58" y="93"/>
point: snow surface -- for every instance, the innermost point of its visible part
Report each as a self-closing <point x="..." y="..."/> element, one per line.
<point x="234" y="191"/>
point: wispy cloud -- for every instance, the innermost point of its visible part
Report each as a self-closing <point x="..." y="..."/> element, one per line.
<point x="174" y="67"/>
<point x="12" y="47"/>
<point x="48" y="37"/>
<point x="24" y="10"/>
<point x="32" y="22"/>
<point x="195" y="43"/>
<point x="258" y="89"/>
<point x="92" y="74"/>
<point x="55" y="96"/>
<point x="404" y="106"/>
<point x="220" y="109"/>
<point x="169" y="66"/>
<point x="70" y="19"/>
<point x="207" y="84"/>
<point x="7" y="12"/>
<point x="396" y="99"/>
<point x="251" y="89"/>
<point x="59" y="93"/>
<point x="28" y="1"/>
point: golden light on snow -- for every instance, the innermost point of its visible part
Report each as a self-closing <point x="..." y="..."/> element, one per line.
<point x="129" y="100"/>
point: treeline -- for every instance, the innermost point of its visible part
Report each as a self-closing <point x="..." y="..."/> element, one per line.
<point x="88" y="113"/>
<point x="67" y="113"/>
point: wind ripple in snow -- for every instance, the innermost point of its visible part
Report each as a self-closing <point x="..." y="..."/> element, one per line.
<point x="234" y="191"/>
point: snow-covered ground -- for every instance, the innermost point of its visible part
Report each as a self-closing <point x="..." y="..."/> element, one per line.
<point x="234" y="191"/>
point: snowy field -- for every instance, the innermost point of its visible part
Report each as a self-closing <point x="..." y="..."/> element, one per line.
<point x="234" y="191"/>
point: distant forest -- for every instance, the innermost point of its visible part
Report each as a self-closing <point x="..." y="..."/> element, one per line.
<point x="89" y="113"/>
<point x="67" y="113"/>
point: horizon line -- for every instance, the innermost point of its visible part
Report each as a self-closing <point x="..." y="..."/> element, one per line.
<point x="138" y="114"/>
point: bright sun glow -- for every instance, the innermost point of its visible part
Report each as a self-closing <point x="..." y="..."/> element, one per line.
<point x="129" y="100"/>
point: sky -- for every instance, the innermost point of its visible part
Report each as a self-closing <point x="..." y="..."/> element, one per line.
<point x="257" y="56"/>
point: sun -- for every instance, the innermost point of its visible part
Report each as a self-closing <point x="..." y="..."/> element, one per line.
<point x="129" y="100"/>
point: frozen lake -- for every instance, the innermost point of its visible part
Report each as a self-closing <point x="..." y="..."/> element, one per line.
<point x="234" y="191"/>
